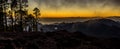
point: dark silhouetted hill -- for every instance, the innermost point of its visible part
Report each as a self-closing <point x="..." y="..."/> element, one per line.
<point x="79" y="35"/>
<point x="102" y="28"/>
<point x="96" y="27"/>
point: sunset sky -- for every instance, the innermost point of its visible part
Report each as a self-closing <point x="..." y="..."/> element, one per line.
<point x="76" y="8"/>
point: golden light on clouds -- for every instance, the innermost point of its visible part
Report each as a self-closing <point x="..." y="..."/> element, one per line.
<point x="75" y="10"/>
<point x="78" y="12"/>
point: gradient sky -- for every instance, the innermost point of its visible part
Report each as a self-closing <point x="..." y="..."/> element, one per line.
<point x="76" y="8"/>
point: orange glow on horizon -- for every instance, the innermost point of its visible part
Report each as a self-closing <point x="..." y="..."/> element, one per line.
<point x="88" y="9"/>
<point x="76" y="12"/>
<point x="53" y="14"/>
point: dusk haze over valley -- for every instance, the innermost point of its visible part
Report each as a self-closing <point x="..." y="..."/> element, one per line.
<point x="59" y="24"/>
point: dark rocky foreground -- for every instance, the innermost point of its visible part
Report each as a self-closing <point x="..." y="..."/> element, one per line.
<point x="55" y="40"/>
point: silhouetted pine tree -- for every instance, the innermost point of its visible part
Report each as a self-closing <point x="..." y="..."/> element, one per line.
<point x="37" y="13"/>
<point x="1" y="16"/>
<point x="11" y="22"/>
<point x="20" y="10"/>
<point x="29" y="22"/>
<point x="5" y="7"/>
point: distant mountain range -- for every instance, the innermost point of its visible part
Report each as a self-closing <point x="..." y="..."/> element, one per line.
<point x="96" y="27"/>
<point x="80" y="17"/>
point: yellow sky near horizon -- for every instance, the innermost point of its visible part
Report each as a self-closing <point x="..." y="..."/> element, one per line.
<point x="75" y="11"/>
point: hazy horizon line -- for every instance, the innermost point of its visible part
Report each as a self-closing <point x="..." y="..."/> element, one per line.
<point x="82" y="17"/>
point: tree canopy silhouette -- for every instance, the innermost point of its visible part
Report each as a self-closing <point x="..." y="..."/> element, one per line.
<point x="37" y="13"/>
<point x="14" y="15"/>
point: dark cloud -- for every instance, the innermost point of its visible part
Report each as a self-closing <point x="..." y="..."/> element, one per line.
<point x="60" y="3"/>
<point x="116" y="2"/>
<point x="79" y="3"/>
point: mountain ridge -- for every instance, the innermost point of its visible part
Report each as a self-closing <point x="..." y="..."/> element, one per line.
<point x="95" y="27"/>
